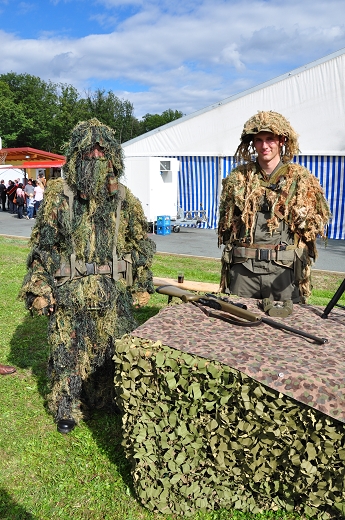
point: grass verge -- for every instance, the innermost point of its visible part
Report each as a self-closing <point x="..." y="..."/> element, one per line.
<point x="84" y="475"/>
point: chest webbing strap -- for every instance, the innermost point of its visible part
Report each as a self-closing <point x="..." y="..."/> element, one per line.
<point x="70" y="195"/>
<point x="122" y="195"/>
<point x="115" y="262"/>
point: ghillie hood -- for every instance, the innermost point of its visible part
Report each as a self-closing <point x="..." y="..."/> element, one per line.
<point x="267" y="122"/>
<point x="93" y="177"/>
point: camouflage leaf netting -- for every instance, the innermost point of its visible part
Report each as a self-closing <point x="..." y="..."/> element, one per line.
<point x="201" y="435"/>
<point x="90" y="258"/>
<point x="300" y="203"/>
<point x="88" y="174"/>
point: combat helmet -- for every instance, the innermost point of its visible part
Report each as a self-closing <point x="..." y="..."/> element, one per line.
<point x="267" y="122"/>
<point x="87" y="174"/>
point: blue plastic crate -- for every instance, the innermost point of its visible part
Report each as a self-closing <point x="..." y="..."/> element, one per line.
<point x="163" y="230"/>
<point x="163" y="220"/>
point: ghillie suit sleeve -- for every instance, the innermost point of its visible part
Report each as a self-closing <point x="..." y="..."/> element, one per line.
<point x="88" y="261"/>
<point x="298" y="200"/>
<point x="137" y="248"/>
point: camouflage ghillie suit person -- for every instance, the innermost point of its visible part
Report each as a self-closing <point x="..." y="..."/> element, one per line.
<point x="271" y="211"/>
<point x="90" y="261"/>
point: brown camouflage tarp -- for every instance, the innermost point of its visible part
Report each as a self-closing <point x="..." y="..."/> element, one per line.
<point x="297" y="367"/>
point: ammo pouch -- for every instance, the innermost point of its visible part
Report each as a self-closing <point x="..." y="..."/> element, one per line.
<point x="227" y="254"/>
<point x="301" y="262"/>
<point x="226" y="263"/>
<point x="73" y="269"/>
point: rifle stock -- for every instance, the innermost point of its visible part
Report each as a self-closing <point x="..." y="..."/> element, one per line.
<point x="218" y="304"/>
<point x="215" y="303"/>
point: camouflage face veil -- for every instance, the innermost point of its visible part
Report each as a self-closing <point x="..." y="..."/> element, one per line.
<point x="94" y="160"/>
<point x="267" y="122"/>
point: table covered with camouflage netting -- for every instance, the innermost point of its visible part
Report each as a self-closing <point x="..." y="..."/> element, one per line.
<point x="218" y="415"/>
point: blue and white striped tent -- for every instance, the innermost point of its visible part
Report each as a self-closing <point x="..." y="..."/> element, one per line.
<point x="311" y="97"/>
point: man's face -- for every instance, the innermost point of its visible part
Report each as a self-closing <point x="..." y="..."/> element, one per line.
<point x="268" y="147"/>
<point x="91" y="173"/>
<point x="96" y="152"/>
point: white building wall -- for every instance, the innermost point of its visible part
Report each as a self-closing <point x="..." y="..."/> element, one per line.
<point x="153" y="184"/>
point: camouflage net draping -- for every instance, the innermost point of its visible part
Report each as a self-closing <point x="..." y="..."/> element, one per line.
<point x="202" y="435"/>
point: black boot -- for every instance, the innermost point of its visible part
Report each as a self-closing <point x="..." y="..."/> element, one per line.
<point x="65" y="425"/>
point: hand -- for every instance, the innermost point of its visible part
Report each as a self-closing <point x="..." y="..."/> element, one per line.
<point x="140" y="299"/>
<point x="41" y="306"/>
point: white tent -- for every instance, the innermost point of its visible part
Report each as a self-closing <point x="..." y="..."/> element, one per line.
<point x="11" y="174"/>
<point x="312" y="97"/>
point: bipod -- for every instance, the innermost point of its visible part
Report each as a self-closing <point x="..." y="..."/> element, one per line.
<point x="334" y="301"/>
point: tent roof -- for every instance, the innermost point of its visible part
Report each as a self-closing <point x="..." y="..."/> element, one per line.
<point x="310" y="97"/>
<point x="26" y="157"/>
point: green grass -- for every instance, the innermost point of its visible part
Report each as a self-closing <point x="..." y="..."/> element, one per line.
<point x="84" y="475"/>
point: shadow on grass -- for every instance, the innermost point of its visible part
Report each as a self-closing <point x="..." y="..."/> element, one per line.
<point x="106" y="426"/>
<point x="30" y="350"/>
<point x="106" y="429"/>
<point x="10" y="510"/>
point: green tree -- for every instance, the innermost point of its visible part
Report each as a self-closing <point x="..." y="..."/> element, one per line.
<point x="42" y="114"/>
<point x="70" y="110"/>
<point x="112" y="111"/>
<point x="36" y="113"/>
<point x="12" y="118"/>
<point x="152" y="121"/>
<point x="37" y="102"/>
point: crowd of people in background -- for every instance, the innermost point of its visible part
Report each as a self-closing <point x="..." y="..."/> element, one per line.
<point x="21" y="199"/>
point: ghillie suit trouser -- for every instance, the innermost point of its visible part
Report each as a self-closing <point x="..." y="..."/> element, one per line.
<point x="269" y="225"/>
<point x="88" y="262"/>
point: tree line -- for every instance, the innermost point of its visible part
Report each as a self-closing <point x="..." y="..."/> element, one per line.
<point x="41" y="114"/>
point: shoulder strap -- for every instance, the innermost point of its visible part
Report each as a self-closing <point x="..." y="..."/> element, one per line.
<point x="70" y="195"/>
<point x="121" y="197"/>
<point x="273" y="180"/>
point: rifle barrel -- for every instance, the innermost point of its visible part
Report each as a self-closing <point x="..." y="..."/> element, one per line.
<point x="282" y="326"/>
<point x="250" y="316"/>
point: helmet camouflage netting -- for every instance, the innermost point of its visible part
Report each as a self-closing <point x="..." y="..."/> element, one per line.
<point x="267" y="122"/>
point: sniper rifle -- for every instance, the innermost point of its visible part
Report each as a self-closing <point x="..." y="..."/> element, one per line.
<point x="238" y="310"/>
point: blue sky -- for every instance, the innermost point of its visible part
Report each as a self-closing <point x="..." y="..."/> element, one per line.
<point x="160" y="54"/>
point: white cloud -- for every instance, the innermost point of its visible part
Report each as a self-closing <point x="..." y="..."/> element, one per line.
<point x="181" y="55"/>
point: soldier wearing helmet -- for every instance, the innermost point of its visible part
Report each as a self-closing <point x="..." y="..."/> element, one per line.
<point x="271" y="211"/>
<point x="89" y="262"/>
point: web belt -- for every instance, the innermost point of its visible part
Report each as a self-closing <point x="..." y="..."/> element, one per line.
<point x="265" y="253"/>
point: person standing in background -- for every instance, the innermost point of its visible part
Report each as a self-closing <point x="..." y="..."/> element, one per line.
<point x="20" y="198"/>
<point x="30" y="206"/>
<point x="42" y="179"/>
<point x="11" y="193"/>
<point x="38" y="195"/>
<point x="29" y="188"/>
<point x="3" y="196"/>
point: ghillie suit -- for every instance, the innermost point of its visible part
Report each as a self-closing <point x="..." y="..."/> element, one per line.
<point x="269" y="222"/>
<point x="90" y="261"/>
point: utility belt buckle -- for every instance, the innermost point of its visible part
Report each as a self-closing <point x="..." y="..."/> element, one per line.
<point x="90" y="268"/>
<point x="265" y="208"/>
<point x="263" y="254"/>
